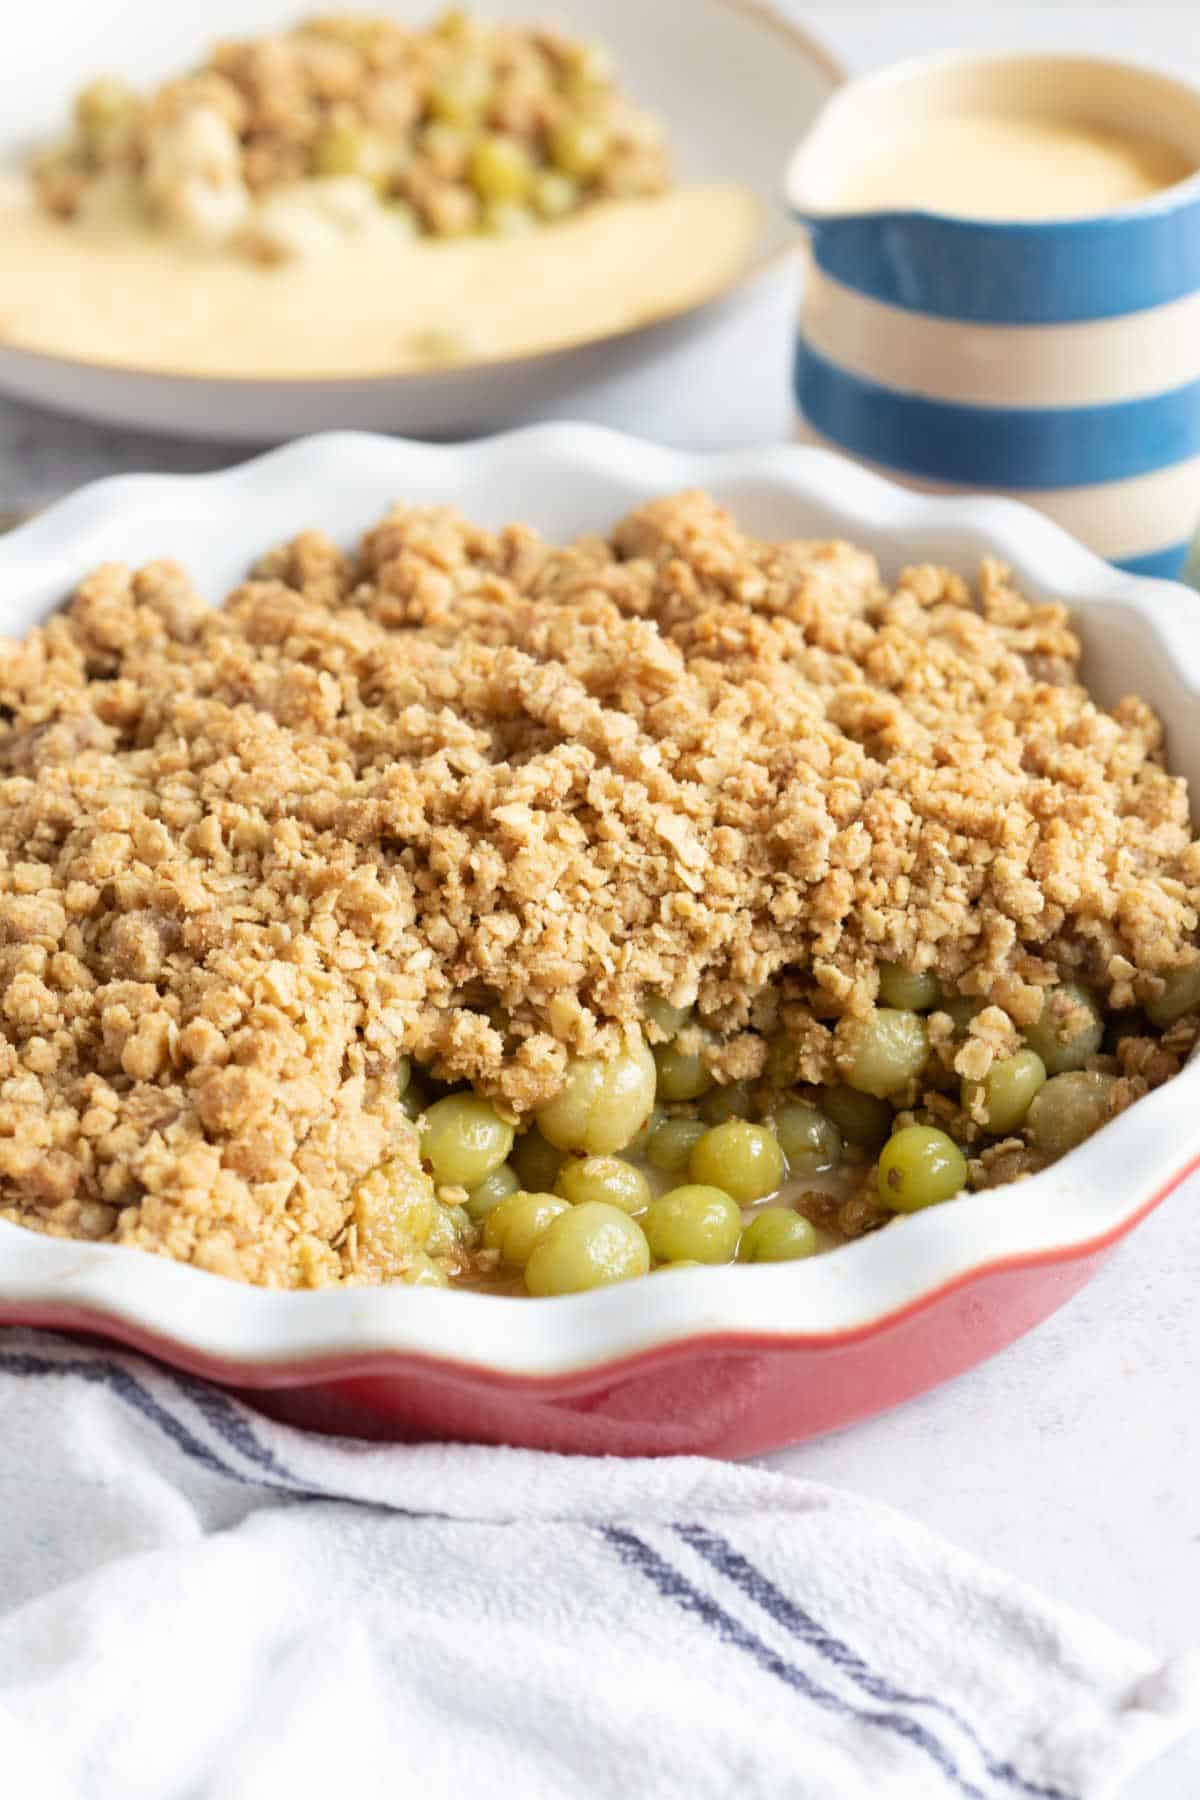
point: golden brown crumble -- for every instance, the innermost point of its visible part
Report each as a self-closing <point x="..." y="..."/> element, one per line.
<point x="471" y="797"/>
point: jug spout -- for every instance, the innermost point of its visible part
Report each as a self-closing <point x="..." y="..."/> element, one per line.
<point x="910" y="259"/>
<point x="880" y="253"/>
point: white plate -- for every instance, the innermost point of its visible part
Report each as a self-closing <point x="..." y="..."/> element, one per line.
<point x="1140" y="637"/>
<point x="736" y="85"/>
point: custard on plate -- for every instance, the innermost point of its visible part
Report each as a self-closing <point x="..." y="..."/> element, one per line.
<point x="359" y="197"/>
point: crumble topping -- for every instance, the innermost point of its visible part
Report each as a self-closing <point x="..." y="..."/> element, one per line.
<point x="471" y="797"/>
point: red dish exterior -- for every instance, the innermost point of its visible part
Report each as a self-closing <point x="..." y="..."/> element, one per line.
<point x="727" y="1395"/>
<point x="716" y="1396"/>
<point x="710" y="1397"/>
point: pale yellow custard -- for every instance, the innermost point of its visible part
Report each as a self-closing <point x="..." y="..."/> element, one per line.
<point x="1010" y="166"/>
<point x="379" y="304"/>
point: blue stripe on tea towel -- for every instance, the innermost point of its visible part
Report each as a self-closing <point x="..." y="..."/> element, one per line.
<point x="674" y="1586"/>
<point x="219" y="1411"/>
<point x="121" y="1383"/>
<point x="721" y="1555"/>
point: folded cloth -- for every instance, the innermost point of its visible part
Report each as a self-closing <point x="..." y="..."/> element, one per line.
<point x="198" y="1603"/>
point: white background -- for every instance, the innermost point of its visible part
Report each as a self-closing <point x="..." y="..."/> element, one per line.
<point x="1073" y="1459"/>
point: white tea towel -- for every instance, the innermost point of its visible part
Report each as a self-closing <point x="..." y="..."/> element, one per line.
<point x="198" y="1604"/>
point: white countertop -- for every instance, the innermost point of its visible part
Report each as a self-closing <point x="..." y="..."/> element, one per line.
<point x="1072" y="1459"/>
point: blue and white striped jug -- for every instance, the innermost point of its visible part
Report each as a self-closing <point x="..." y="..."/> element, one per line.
<point x="1055" y="360"/>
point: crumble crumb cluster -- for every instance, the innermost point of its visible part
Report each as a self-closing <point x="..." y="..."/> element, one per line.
<point x="469" y="797"/>
<point x="279" y="145"/>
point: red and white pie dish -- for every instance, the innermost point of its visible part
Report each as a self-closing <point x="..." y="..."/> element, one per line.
<point x="725" y="1361"/>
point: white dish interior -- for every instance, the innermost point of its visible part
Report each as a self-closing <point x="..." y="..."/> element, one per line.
<point x="1139" y="637"/>
<point x="734" y="82"/>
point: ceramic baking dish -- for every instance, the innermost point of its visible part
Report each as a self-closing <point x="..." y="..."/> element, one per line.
<point x="726" y="1360"/>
